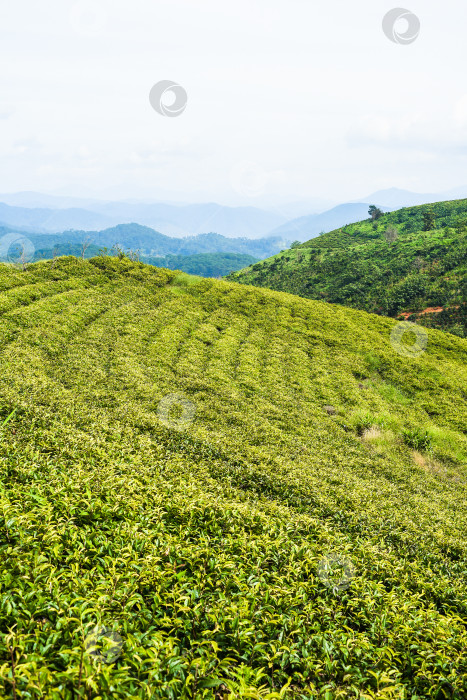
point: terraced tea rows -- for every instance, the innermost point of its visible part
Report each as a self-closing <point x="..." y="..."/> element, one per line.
<point x="295" y="529"/>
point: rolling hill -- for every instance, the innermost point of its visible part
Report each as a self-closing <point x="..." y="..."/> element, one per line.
<point x="217" y="491"/>
<point x="135" y="237"/>
<point x="391" y="266"/>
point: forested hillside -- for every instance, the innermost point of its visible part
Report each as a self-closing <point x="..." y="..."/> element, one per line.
<point x="411" y="263"/>
<point x="141" y="239"/>
<point x="216" y="491"/>
<point x="204" y="264"/>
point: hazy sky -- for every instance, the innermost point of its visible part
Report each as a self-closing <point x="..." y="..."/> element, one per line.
<point x="287" y="100"/>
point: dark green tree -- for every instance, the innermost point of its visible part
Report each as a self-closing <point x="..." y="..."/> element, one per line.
<point x="375" y="213"/>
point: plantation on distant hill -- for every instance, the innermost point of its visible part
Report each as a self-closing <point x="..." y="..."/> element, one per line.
<point x="216" y="491"/>
<point x="388" y="266"/>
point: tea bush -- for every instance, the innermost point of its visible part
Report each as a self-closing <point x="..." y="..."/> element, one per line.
<point x="151" y="553"/>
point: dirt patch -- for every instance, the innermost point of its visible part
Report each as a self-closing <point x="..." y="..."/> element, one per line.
<point x="428" y="310"/>
<point x="432" y="466"/>
<point x="419" y="459"/>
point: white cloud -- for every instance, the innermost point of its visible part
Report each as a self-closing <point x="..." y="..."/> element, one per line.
<point x="460" y="112"/>
<point x="314" y="94"/>
<point x="420" y="131"/>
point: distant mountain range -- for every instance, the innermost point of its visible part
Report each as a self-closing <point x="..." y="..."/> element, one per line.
<point x="144" y="239"/>
<point x="43" y="213"/>
<point x="170" y="219"/>
<point x="395" y="198"/>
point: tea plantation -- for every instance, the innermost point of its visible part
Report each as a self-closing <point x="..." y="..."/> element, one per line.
<point x="412" y="261"/>
<point x="211" y="490"/>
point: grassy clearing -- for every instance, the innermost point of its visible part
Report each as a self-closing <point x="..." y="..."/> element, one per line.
<point x="273" y="537"/>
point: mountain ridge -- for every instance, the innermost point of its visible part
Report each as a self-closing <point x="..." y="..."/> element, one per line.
<point x="173" y="220"/>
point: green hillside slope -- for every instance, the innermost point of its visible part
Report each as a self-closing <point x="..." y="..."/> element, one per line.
<point x="203" y="264"/>
<point x="421" y="274"/>
<point x="296" y="528"/>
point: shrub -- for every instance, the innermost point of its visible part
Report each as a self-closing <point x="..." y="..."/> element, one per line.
<point x="417" y="439"/>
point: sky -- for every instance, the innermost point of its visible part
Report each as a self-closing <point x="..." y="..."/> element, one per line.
<point x="285" y="101"/>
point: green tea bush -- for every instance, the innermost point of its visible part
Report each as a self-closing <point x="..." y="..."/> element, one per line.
<point x="254" y="547"/>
